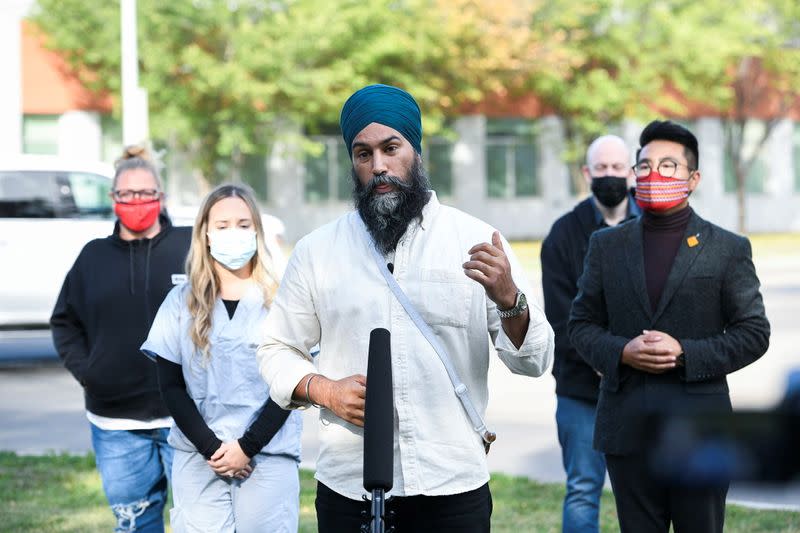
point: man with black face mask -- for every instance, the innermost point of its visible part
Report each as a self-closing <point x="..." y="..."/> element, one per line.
<point x="607" y="170"/>
<point x="464" y="281"/>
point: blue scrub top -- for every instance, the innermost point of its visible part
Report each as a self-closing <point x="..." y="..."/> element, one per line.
<point x="227" y="388"/>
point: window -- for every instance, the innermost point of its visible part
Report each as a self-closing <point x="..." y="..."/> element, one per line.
<point x="328" y="171"/>
<point x="439" y="165"/>
<point x="90" y="194"/>
<point x="28" y="194"/>
<point x="47" y="194"/>
<point x="252" y="171"/>
<point x="796" y="155"/>
<point x="511" y="158"/>
<point x="754" y="181"/>
<point x="40" y="134"/>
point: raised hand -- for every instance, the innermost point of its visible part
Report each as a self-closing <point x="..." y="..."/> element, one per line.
<point x="489" y="266"/>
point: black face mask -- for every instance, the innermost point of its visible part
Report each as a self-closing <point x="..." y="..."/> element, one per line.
<point x="609" y="190"/>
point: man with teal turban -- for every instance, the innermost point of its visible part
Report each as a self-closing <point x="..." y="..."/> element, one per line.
<point x="335" y="292"/>
<point x="386" y="105"/>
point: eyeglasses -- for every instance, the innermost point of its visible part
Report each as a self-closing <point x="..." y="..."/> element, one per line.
<point x="666" y="168"/>
<point x="126" y="195"/>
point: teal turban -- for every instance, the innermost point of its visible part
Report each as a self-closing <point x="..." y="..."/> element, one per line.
<point x="385" y="105"/>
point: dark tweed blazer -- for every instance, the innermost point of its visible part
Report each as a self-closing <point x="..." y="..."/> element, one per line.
<point x="711" y="304"/>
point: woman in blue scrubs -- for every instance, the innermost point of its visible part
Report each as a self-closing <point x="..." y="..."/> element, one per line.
<point x="236" y="452"/>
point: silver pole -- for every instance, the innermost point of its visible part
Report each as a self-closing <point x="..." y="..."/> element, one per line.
<point x="134" y="99"/>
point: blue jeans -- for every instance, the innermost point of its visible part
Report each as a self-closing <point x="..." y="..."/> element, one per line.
<point x="585" y="466"/>
<point x="135" y="467"/>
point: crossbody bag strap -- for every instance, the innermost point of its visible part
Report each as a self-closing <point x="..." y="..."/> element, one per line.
<point x="458" y="386"/>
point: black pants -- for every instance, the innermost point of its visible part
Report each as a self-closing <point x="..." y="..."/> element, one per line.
<point x="645" y="505"/>
<point x="468" y="512"/>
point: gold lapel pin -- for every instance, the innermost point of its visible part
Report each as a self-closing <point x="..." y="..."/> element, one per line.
<point x="692" y="241"/>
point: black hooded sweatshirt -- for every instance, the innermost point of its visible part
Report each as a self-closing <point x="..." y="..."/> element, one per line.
<point x="104" y="313"/>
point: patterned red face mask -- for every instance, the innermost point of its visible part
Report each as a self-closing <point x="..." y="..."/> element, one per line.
<point x="138" y="216"/>
<point x="654" y="192"/>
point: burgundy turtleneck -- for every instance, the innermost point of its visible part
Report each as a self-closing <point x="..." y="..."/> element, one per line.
<point x="662" y="236"/>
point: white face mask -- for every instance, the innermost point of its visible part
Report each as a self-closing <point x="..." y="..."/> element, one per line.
<point x="232" y="247"/>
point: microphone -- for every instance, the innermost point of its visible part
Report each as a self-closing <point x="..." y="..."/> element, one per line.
<point x="379" y="427"/>
<point x="390" y="266"/>
<point x="379" y="414"/>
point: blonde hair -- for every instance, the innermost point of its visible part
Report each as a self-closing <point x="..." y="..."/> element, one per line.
<point x="136" y="156"/>
<point x="204" y="283"/>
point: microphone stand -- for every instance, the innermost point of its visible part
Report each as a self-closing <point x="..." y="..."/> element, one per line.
<point x="377" y="519"/>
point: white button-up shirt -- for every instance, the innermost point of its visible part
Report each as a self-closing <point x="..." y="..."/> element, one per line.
<point x="333" y="294"/>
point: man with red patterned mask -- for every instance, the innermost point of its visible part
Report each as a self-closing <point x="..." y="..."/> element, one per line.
<point x="666" y="174"/>
<point x="668" y="305"/>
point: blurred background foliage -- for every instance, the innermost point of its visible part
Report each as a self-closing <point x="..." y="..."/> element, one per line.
<point x="224" y="77"/>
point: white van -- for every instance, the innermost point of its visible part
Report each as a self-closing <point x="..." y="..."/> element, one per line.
<point x="49" y="208"/>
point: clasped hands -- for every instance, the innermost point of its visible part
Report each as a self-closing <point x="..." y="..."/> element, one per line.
<point x="230" y="461"/>
<point x="653" y="351"/>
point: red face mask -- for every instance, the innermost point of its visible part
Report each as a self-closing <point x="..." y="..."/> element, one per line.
<point x="138" y="216"/>
<point x="654" y="192"/>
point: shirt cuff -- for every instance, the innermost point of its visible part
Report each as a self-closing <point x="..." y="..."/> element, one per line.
<point x="535" y="354"/>
<point x="283" y="382"/>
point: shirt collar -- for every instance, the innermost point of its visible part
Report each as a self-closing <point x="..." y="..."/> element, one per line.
<point x="430" y="210"/>
<point x="253" y="296"/>
<point x="632" y="211"/>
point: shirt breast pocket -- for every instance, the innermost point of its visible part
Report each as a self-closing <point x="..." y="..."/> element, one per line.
<point x="701" y="286"/>
<point x="447" y="298"/>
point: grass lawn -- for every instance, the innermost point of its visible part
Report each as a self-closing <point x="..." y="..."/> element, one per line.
<point x="60" y="493"/>
<point x="764" y="245"/>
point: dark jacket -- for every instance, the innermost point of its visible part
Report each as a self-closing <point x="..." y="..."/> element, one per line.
<point x="711" y="304"/>
<point x="562" y="255"/>
<point x="104" y="312"/>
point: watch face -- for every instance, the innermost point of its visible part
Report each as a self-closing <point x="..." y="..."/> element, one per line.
<point x="519" y="307"/>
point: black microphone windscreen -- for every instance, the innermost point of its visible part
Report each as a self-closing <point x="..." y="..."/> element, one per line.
<point x="379" y="414"/>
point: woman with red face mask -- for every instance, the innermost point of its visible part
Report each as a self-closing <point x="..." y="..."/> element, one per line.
<point x="103" y="313"/>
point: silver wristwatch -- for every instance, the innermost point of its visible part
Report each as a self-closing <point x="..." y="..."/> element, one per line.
<point x="519" y="307"/>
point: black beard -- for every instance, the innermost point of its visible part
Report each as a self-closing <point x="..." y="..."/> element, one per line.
<point x="388" y="215"/>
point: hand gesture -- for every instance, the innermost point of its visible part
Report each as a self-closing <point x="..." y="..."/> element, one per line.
<point x="489" y="266"/>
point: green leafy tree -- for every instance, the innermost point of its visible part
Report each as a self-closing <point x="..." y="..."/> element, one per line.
<point x="766" y="87"/>
<point x="611" y="60"/>
<point x="222" y="75"/>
